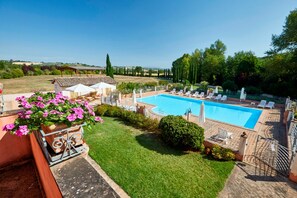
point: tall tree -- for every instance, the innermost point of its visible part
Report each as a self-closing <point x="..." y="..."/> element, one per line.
<point x="109" y="69"/>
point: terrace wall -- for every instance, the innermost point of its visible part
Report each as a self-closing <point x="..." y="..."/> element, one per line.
<point x="12" y="148"/>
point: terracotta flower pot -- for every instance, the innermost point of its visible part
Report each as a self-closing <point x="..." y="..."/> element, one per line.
<point x="58" y="141"/>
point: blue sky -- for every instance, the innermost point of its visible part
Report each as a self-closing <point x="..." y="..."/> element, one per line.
<point x="150" y="33"/>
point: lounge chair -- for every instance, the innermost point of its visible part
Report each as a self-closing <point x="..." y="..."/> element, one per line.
<point x="210" y="95"/>
<point x="195" y="94"/>
<point x="201" y="95"/>
<point x="224" y="98"/>
<point x="173" y="91"/>
<point x="270" y="105"/>
<point x="180" y="92"/>
<point x="188" y="93"/>
<point x="218" y="97"/>
<point x="223" y="135"/>
<point x="262" y="104"/>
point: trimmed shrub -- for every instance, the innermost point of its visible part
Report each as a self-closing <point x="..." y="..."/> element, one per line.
<point x="221" y="153"/>
<point x="230" y="85"/>
<point x="135" y="119"/>
<point x="178" y="132"/>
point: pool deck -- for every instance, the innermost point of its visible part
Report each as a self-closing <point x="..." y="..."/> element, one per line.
<point x="269" y="125"/>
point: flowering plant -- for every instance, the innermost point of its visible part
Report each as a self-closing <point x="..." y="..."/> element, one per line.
<point x="48" y="109"/>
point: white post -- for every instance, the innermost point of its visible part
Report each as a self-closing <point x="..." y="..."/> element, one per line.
<point x="242" y="146"/>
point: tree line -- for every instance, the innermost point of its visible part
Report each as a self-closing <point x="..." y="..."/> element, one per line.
<point x="276" y="73"/>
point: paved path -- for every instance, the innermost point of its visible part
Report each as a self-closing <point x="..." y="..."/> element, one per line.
<point x="249" y="181"/>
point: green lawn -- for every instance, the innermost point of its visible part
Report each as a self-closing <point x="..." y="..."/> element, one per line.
<point x="145" y="167"/>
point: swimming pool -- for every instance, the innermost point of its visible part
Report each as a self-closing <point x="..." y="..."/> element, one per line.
<point x="175" y="105"/>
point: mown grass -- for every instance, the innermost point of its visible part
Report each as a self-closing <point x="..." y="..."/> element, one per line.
<point x="145" y="167"/>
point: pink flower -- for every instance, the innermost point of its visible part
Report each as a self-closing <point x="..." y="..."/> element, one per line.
<point x="45" y="114"/>
<point x="29" y="112"/>
<point x="71" y="117"/>
<point x="8" y="127"/>
<point x="22" y="98"/>
<point x="98" y="119"/>
<point x="39" y="98"/>
<point x="23" y="130"/>
<point x="26" y="105"/>
<point x="40" y="105"/>
<point x="54" y="112"/>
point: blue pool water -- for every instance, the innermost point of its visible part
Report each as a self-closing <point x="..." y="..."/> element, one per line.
<point x="175" y="105"/>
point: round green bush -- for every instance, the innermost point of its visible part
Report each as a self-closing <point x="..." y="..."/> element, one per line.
<point x="178" y="132"/>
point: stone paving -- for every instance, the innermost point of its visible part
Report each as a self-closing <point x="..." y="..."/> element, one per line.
<point x="248" y="181"/>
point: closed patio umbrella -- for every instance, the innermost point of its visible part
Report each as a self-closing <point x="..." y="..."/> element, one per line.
<point x="191" y="89"/>
<point x="202" y="113"/>
<point x="216" y="90"/>
<point x="134" y="97"/>
<point x="242" y="94"/>
<point x="140" y="93"/>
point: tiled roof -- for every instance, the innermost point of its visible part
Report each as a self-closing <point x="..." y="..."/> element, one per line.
<point x="88" y="81"/>
<point x="86" y="68"/>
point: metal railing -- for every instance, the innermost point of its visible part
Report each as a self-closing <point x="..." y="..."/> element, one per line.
<point x="60" y="145"/>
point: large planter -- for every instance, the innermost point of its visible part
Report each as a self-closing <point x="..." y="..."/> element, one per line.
<point x="59" y="140"/>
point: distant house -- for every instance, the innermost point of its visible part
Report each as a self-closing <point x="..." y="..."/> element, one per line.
<point x="77" y="69"/>
<point x="63" y="82"/>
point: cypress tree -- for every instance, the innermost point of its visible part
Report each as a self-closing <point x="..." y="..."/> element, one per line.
<point x="109" y="69"/>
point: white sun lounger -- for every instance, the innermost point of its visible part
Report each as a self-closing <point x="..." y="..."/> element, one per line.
<point x="262" y="104"/>
<point x="180" y="92"/>
<point x="201" y="95"/>
<point x="223" y="135"/>
<point x="210" y="95"/>
<point x="188" y="93"/>
<point x="270" y="105"/>
<point x="173" y="91"/>
<point x="224" y="98"/>
<point x="218" y="97"/>
<point x="195" y="94"/>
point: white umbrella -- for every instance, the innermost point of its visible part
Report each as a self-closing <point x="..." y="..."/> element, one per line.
<point x="216" y="90"/>
<point x="134" y="97"/>
<point x="103" y="85"/>
<point x="80" y="88"/>
<point x="202" y="113"/>
<point x="140" y="93"/>
<point x="242" y="94"/>
<point x="155" y="88"/>
<point x="191" y="89"/>
<point x="100" y="86"/>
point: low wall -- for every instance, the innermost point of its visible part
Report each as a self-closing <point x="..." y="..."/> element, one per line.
<point x="47" y="179"/>
<point x="12" y="148"/>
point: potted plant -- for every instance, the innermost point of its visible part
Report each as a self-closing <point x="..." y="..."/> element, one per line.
<point x="51" y="112"/>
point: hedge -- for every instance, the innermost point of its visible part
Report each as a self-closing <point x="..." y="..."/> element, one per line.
<point x="135" y="119"/>
<point x="178" y="132"/>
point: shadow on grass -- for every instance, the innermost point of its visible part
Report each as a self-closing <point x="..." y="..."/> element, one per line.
<point x="153" y="142"/>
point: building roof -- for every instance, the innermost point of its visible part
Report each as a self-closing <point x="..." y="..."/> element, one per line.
<point x="86" y="68"/>
<point x="70" y="81"/>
